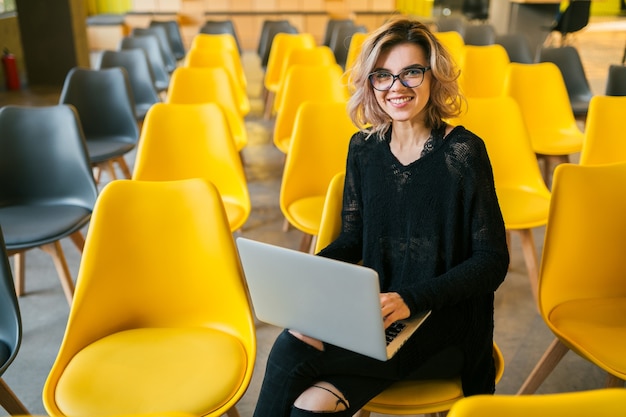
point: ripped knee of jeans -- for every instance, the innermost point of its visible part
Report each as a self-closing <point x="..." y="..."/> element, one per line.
<point x="322" y="397"/>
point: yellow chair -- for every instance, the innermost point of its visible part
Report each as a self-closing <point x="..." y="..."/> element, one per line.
<point x="540" y="91"/>
<point x="406" y="397"/>
<point x="282" y="44"/>
<point x="180" y="141"/>
<point x="604" y="137"/>
<point x="214" y="41"/>
<point x="306" y="83"/>
<point x="321" y="134"/>
<point x="597" y="403"/>
<point x="484" y="70"/>
<point x="160" y="319"/>
<point x="523" y="195"/>
<point x="454" y="44"/>
<point x="582" y="291"/>
<point x="209" y="85"/>
<point x="229" y="60"/>
<point x="355" y="48"/>
<point x="320" y="55"/>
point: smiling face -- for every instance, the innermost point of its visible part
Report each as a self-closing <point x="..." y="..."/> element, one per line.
<point x="403" y="104"/>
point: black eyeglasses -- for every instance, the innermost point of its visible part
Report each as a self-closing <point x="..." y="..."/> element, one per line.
<point x="410" y="78"/>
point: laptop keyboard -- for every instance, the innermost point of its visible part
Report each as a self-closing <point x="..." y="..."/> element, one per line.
<point x="393" y="331"/>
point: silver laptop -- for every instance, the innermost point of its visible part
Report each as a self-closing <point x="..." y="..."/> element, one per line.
<point x="333" y="301"/>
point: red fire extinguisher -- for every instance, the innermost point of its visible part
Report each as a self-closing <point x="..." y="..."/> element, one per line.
<point x="9" y="65"/>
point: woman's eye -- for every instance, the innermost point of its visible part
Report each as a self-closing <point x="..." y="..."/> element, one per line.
<point x="413" y="73"/>
<point x="383" y="75"/>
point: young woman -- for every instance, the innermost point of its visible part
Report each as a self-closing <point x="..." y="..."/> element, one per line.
<point x="420" y="208"/>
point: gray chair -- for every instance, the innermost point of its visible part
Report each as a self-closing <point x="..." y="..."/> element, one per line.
<point x="616" y="81"/>
<point x="574" y="18"/>
<point x="268" y="32"/>
<point x="164" y="44"/>
<point x="475" y="9"/>
<point x="216" y="27"/>
<point x="103" y="99"/>
<point x="451" y="24"/>
<point x="340" y="40"/>
<point x="173" y="35"/>
<point x="517" y="47"/>
<point x="140" y="76"/>
<point x="480" y="35"/>
<point x="47" y="189"/>
<point x="569" y="62"/>
<point x="150" y="45"/>
<point x="330" y="28"/>
<point x="10" y="332"/>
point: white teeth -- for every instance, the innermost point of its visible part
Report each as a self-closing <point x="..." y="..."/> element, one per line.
<point x="400" y="100"/>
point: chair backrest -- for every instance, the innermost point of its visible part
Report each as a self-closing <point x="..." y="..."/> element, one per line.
<point x="229" y="60"/>
<point x="150" y="45"/>
<point x="599" y="403"/>
<point x="484" y="70"/>
<point x="571" y="66"/>
<point x="575" y="17"/>
<point x="483" y="34"/>
<point x="584" y="238"/>
<point x="140" y="76"/>
<point x="214" y="41"/>
<point x="180" y="141"/>
<point x="318" y="150"/>
<point x="517" y="47"/>
<point x="270" y="29"/>
<point x="196" y="85"/>
<point x="540" y="91"/>
<point x="604" y="131"/>
<point x="164" y="44"/>
<point x="104" y="101"/>
<point x="177" y="268"/>
<point x="330" y="225"/>
<point x="306" y="83"/>
<point x="356" y="42"/>
<point x="173" y="35"/>
<point x="475" y="9"/>
<point x="10" y="318"/>
<point x="282" y="45"/>
<point x="340" y="41"/>
<point x="454" y="44"/>
<point x="451" y="24"/>
<point x="44" y="157"/>
<point x="216" y="27"/>
<point x="330" y="28"/>
<point x="616" y="81"/>
<point x="499" y="122"/>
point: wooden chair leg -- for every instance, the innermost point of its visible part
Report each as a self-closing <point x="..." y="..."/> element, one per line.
<point x="546" y="364"/>
<point x="10" y="402"/>
<point x="613" y="382"/>
<point x="56" y="252"/>
<point x="19" y="266"/>
<point x="79" y="240"/>
<point x="124" y="167"/>
<point x="531" y="261"/>
<point x="232" y="412"/>
<point x="305" y="242"/>
<point x="269" y="105"/>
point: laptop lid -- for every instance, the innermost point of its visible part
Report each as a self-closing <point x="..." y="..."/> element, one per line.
<point x="330" y="300"/>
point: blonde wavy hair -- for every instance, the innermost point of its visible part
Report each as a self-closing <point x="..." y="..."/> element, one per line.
<point x="445" y="98"/>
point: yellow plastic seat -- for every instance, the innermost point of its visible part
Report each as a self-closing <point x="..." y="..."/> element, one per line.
<point x="582" y="291"/>
<point x="229" y="60"/>
<point x="209" y="85"/>
<point x="406" y="397"/>
<point x="540" y="91"/>
<point x="322" y="132"/>
<point x="454" y="44"/>
<point x="282" y="45"/>
<point x="306" y="83"/>
<point x="214" y="41"/>
<point x="356" y="42"/>
<point x="182" y="141"/>
<point x="484" y="70"/>
<point x="597" y="403"/>
<point x="604" y="138"/>
<point x="523" y="195"/>
<point x="319" y="55"/>
<point x="160" y="319"/>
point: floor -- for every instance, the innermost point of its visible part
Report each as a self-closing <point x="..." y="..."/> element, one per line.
<point x="519" y="330"/>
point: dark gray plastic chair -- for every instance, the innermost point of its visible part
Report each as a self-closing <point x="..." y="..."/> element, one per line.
<point x="616" y="81"/>
<point x="451" y="24"/>
<point x="173" y="35"/>
<point x="330" y="29"/>
<point x="216" y="27"/>
<point x="140" y="76"/>
<point x="480" y="35"/>
<point x="104" y="101"/>
<point x="517" y="47"/>
<point x="574" y="18"/>
<point x="10" y="332"/>
<point x="475" y="9"/>
<point x="569" y="62"/>
<point x="150" y="45"/>
<point x="47" y="189"/>
<point x="340" y="40"/>
<point x="269" y="30"/>
<point x="164" y="44"/>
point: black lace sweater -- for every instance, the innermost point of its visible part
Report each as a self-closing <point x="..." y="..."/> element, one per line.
<point x="434" y="232"/>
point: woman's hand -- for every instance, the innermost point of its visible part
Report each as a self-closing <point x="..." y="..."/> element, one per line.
<point x="393" y="308"/>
